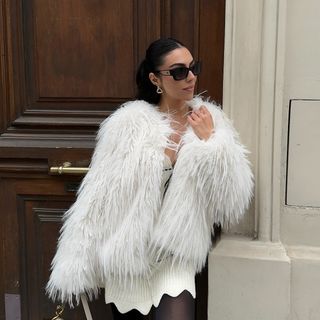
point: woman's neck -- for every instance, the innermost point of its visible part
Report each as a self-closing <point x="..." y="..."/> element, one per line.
<point x="178" y="108"/>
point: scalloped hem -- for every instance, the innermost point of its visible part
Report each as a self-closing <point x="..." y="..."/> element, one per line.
<point x="124" y="307"/>
<point x="167" y="279"/>
<point x="173" y="293"/>
<point x="145" y="309"/>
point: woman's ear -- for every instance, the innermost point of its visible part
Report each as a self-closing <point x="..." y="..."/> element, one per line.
<point x="153" y="78"/>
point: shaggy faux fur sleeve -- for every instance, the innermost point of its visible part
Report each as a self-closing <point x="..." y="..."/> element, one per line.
<point x="221" y="170"/>
<point x="212" y="183"/>
<point x="106" y="230"/>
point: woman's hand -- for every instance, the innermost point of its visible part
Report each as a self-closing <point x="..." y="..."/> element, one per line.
<point x="201" y="122"/>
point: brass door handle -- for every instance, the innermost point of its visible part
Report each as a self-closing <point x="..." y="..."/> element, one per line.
<point x="67" y="169"/>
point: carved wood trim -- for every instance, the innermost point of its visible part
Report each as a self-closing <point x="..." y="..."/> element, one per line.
<point x="49" y="214"/>
<point x="12" y="63"/>
<point x="151" y="20"/>
<point x="52" y="121"/>
<point x="30" y="219"/>
<point x="28" y="142"/>
<point x="5" y="81"/>
<point x="23" y="166"/>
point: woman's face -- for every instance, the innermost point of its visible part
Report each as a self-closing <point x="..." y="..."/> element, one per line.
<point x="174" y="90"/>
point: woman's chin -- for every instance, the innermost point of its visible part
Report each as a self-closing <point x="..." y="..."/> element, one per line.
<point x="189" y="96"/>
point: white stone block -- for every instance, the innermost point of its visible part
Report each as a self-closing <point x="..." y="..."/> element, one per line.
<point x="248" y="280"/>
<point x="305" y="286"/>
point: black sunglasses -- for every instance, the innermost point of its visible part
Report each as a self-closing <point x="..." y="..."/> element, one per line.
<point x="181" y="73"/>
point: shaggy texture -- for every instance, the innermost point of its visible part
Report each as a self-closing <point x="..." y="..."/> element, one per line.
<point x="117" y="226"/>
<point x="212" y="183"/>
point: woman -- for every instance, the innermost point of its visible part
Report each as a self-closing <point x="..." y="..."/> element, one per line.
<point x="166" y="168"/>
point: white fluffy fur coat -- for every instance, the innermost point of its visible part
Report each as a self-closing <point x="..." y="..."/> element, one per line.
<point x="117" y="227"/>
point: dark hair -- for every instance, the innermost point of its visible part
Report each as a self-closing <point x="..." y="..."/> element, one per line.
<point x="153" y="60"/>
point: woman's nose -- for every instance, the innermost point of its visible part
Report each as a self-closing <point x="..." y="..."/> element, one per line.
<point x="190" y="76"/>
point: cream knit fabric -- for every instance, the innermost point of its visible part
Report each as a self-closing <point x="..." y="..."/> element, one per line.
<point x="165" y="279"/>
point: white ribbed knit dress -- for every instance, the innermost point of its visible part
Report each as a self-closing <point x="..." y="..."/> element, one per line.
<point x="165" y="278"/>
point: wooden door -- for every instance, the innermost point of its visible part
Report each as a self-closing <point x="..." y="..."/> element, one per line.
<point x="66" y="65"/>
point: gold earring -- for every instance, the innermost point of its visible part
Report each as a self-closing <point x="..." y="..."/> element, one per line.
<point x="159" y="90"/>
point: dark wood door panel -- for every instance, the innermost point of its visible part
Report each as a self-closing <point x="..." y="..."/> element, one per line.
<point x="30" y="239"/>
<point x="40" y="222"/>
<point x="66" y="65"/>
<point x="76" y="52"/>
<point x="22" y="264"/>
<point x="69" y="64"/>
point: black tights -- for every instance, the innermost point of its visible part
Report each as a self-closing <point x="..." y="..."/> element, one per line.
<point x="181" y="307"/>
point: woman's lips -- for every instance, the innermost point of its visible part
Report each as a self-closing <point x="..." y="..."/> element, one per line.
<point x="189" y="89"/>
